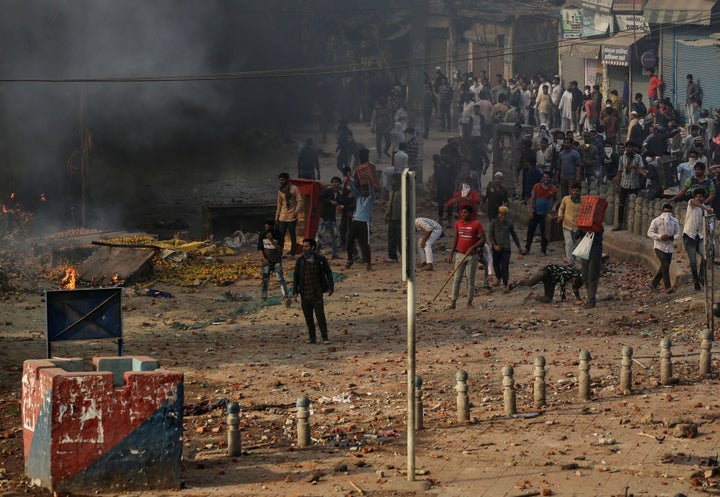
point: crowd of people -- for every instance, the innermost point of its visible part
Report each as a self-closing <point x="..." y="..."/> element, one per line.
<point x="581" y="139"/>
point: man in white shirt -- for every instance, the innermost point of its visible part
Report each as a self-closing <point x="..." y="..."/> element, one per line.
<point x="664" y="230"/>
<point x="430" y="231"/>
<point x="556" y="91"/>
<point x="693" y="237"/>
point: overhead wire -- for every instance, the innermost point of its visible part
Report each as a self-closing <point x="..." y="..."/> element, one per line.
<point x="348" y="68"/>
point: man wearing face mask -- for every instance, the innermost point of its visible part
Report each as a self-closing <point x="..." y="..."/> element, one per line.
<point x="664" y="230"/>
<point x="313" y="277"/>
<point x="465" y="196"/>
<point x="567" y="213"/>
<point x="628" y="179"/>
<point x="686" y="170"/>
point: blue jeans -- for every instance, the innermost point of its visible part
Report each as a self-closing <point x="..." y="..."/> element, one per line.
<point x="328" y="235"/>
<point x="695" y="247"/>
<point x="275" y="267"/>
<point x="470" y="265"/>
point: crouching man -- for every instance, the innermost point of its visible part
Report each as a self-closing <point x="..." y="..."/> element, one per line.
<point x="552" y="275"/>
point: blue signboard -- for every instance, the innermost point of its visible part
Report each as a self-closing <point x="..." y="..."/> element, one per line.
<point x="84" y="314"/>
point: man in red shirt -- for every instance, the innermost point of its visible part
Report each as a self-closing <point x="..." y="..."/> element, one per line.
<point x="655" y="87"/>
<point x="469" y="239"/>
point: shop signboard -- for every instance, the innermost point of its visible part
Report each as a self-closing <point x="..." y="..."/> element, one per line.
<point x="616" y="56"/>
<point x="632" y="22"/>
<point x="572" y="23"/>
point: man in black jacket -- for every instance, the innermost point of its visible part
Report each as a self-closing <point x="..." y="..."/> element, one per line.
<point x="312" y="278"/>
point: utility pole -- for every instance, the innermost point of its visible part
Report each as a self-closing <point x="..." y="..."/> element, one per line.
<point x="417" y="73"/>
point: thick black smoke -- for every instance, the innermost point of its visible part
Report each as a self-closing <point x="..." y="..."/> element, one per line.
<point x="144" y="133"/>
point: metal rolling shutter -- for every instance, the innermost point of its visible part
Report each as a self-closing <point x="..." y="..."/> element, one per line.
<point x="668" y="72"/>
<point x="698" y="54"/>
<point x="573" y="68"/>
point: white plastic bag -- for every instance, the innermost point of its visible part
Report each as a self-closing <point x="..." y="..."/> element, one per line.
<point x="582" y="251"/>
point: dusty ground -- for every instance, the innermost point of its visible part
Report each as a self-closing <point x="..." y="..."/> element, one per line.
<point x="357" y="386"/>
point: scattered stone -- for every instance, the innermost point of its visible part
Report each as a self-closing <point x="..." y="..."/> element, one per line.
<point x="685" y="430"/>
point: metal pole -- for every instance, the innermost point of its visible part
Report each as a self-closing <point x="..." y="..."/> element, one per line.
<point x="709" y="274"/>
<point x="408" y="274"/>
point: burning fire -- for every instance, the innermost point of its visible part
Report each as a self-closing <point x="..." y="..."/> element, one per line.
<point x="116" y="278"/>
<point x="68" y="282"/>
<point x="43" y="198"/>
<point x="4" y="209"/>
<point x="12" y="195"/>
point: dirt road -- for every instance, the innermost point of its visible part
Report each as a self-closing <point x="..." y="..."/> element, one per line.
<point x="610" y="445"/>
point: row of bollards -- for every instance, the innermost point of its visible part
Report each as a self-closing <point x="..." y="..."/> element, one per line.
<point x="508" y="385"/>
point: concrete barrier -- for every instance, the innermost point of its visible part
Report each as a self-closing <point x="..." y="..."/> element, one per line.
<point x="118" y="428"/>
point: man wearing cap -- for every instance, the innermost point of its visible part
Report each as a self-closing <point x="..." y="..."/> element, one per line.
<point x="664" y="230"/>
<point x="699" y="180"/>
<point x="495" y="196"/>
<point x="499" y="234"/>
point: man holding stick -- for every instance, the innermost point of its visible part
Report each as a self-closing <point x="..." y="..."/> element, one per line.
<point x="469" y="238"/>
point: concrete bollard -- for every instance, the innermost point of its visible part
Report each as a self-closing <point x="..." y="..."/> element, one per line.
<point x="612" y="207"/>
<point x="584" y="379"/>
<point x="644" y="217"/>
<point x="706" y="339"/>
<point x="303" y="422"/>
<point x="419" y="418"/>
<point x="509" y="390"/>
<point x="626" y="370"/>
<point x="539" y="387"/>
<point x="637" y="226"/>
<point x="665" y="361"/>
<point x="463" y="400"/>
<point x="233" y="436"/>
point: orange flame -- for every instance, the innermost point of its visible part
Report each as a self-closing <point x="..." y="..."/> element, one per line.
<point x="68" y="282"/>
<point x="12" y="195"/>
<point x="116" y="278"/>
<point x="4" y="209"/>
<point x="42" y="197"/>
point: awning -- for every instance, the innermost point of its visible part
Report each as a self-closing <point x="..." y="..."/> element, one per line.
<point x="591" y="48"/>
<point x="579" y="48"/>
<point x="674" y="12"/>
<point x="622" y="39"/>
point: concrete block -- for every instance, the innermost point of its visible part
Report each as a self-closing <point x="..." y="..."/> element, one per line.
<point x="82" y="432"/>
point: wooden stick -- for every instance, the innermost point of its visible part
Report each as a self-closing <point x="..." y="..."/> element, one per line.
<point x="357" y="489"/>
<point x="451" y="275"/>
<point x="640" y="363"/>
